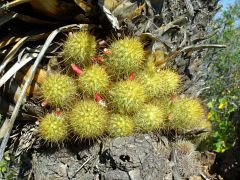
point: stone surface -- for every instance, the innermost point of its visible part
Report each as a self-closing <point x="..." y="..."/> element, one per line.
<point x="140" y="157"/>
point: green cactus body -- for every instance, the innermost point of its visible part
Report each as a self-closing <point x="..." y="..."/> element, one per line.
<point x="127" y="96"/>
<point x="93" y="80"/>
<point x="151" y="81"/>
<point x="127" y="57"/>
<point x="53" y="128"/>
<point x="164" y="105"/>
<point x="158" y="84"/>
<point x="205" y="124"/>
<point x="170" y="81"/>
<point x="186" y="113"/>
<point x="79" y="48"/>
<point x="120" y="125"/>
<point x="148" y="118"/>
<point x="88" y="119"/>
<point x="59" y="90"/>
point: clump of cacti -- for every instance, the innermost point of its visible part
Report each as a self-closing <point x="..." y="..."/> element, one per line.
<point x="88" y="119"/>
<point x="79" y="48"/>
<point x="120" y="125"/>
<point x="53" y="128"/>
<point x="59" y="90"/>
<point x="133" y="92"/>
<point x="148" y="118"/>
<point x="126" y="57"/>
<point x="93" y="80"/>
<point x="127" y="96"/>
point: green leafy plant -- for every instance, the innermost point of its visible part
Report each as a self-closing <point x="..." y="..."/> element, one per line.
<point x="6" y="170"/>
<point x="3" y="166"/>
<point x="223" y="136"/>
<point x="223" y="78"/>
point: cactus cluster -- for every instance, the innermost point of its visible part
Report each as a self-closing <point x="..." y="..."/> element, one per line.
<point x="131" y="94"/>
<point x="186" y="113"/>
<point x="184" y="147"/>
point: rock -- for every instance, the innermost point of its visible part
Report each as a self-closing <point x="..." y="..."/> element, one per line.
<point x="127" y="158"/>
<point x="140" y="157"/>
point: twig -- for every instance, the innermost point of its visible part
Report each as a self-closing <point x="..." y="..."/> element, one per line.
<point x="15" y="3"/>
<point x="202" y="46"/>
<point x="82" y="166"/>
<point x="33" y="70"/>
<point x="12" y="53"/>
<point x="176" y="174"/>
<point x="174" y="24"/>
<point x="205" y="37"/>
<point x="189" y="7"/>
<point x="190" y="48"/>
<point x="184" y="39"/>
<point x="204" y="177"/>
<point x="195" y="132"/>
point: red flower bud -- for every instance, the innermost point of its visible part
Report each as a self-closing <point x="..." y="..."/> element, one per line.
<point x="98" y="98"/>
<point x="131" y="77"/>
<point x="76" y="69"/>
